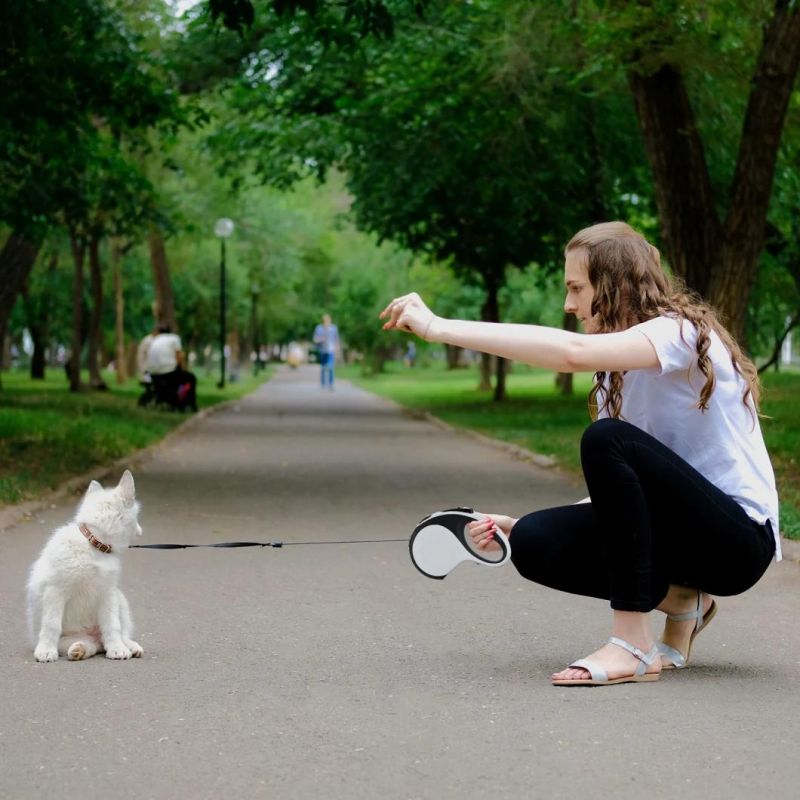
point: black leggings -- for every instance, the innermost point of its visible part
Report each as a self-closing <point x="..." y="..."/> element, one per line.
<point x="653" y="521"/>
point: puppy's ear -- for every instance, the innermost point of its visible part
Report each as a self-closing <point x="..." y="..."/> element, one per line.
<point x="93" y="487"/>
<point x="126" y="487"/>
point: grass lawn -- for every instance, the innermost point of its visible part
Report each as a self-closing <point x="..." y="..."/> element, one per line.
<point x="536" y="418"/>
<point x="48" y="434"/>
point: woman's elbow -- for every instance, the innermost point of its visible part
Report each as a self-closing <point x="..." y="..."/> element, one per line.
<point x="575" y="357"/>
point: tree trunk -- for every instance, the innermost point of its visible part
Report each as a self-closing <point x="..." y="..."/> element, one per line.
<point x="485" y="382"/>
<point x="5" y="352"/>
<point x="718" y="260"/>
<point x="37" y="316"/>
<point x="490" y="312"/>
<point x="96" y="317"/>
<point x="165" y="301"/>
<point x="564" y="380"/>
<point x="454" y="356"/>
<point x="16" y="261"/>
<point x="120" y="365"/>
<point x="774" y="359"/>
<point x="690" y="226"/>
<point x="74" y="364"/>
<point x="778" y="64"/>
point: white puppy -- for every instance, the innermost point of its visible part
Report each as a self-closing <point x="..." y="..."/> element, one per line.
<point x="74" y="599"/>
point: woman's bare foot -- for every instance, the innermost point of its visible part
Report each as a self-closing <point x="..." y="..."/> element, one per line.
<point x="634" y="628"/>
<point x="482" y="532"/>
<point x="678" y="633"/>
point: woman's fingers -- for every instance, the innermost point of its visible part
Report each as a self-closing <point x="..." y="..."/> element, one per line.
<point x="396" y="304"/>
<point x="482" y="532"/>
<point x="405" y="313"/>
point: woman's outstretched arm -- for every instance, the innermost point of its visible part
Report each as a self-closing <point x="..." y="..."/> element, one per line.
<point x="540" y="346"/>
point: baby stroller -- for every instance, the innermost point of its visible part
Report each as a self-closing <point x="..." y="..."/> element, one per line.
<point x="174" y="391"/>
<point x="148" y="395"/>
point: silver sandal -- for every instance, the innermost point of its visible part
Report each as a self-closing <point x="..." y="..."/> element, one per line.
<point x="678" y="659"/>
<point x="599" y="677"/>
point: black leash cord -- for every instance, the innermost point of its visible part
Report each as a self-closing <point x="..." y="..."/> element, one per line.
<point x="253" y="544"/>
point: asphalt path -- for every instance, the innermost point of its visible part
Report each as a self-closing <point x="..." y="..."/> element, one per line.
<point x="338" y="671"/>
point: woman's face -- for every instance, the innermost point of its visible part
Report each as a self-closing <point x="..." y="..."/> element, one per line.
<point x="579" y="291"/>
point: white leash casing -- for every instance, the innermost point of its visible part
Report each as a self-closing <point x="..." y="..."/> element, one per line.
<point x="440" y="543"/>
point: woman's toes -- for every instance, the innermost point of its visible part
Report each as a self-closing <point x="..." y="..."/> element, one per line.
<point x="571" y="674"/>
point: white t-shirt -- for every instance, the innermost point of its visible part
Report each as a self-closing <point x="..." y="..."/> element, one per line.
<point x="162" y="355"/>
<point x="724" y="443"/>
<point x="142" y="352"/>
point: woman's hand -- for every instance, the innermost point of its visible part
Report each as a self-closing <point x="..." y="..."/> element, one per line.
<point x="409" y="313"/>
<point x="482" y="532"/>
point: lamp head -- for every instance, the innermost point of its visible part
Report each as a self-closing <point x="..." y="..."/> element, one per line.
<point x="223" y="227"/>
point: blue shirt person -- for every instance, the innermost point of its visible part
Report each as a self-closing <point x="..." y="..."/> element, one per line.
<point x="326" y="338"/>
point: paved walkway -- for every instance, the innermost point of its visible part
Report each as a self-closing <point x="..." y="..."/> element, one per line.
<point x="337" y="671"/>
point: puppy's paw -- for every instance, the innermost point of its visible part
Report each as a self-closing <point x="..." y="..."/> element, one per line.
<point x="45" y="654"/>
<point x="77" y="652"/>
<point x="135" y="648"/>
<point x="118" y="652"/>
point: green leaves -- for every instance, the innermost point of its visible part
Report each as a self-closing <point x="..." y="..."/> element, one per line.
<point x="74" y="81"/>
<point x="367" y="17"/>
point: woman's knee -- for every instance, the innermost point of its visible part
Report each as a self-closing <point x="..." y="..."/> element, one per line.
<point x="603" y="436"/>
<point x="601" y="431"/>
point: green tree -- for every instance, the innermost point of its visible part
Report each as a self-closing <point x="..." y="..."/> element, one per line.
<point x="683" y="62"/>
<point x="447" y="151"/>
<point x="72" y="80"/>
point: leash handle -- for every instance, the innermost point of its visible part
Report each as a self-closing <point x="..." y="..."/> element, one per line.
<point x="440" y="543"/>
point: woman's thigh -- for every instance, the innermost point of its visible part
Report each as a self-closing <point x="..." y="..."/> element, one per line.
<point x="700" y="536"/>
<point x="562" y="548"/>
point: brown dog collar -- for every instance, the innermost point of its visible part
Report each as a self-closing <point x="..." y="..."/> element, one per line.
<point x="93" y="540"/>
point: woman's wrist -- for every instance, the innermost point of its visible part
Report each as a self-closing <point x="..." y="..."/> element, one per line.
<point x="432" y="330"/>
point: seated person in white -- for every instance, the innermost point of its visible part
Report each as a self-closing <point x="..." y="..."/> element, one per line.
<point x="165" y="363"/>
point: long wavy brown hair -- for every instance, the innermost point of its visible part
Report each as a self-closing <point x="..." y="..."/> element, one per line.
<point x="630" y="287"/>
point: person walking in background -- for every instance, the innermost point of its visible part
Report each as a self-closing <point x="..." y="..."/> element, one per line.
<point x="326" y="338"/>
<point x="410" y="357"/>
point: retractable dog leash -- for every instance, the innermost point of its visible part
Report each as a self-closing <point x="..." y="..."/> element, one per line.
<point x="437" y="546"/>
<point x="253" y="544"/>
<point x="440" y="543"/>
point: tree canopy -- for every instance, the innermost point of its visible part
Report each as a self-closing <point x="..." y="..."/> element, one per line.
<point x="475" y="137"/>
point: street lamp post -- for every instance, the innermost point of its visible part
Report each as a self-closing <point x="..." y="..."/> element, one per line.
<point x="223" y="229"/>
<point x="255" y="290"/>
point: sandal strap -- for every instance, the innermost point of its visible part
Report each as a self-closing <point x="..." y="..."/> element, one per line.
<point x="645" y="659"/>
<point x="595" y="670"/>
<point x="675" y="656"/>
<point x="696" y="615"/>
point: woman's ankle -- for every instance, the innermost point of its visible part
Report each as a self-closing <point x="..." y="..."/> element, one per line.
<point x="633" y="627"/>
<point x="681" y="599"/>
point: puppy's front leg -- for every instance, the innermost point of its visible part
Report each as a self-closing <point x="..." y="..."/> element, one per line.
<point x="126" y="626"/>
<point x="52" y="619"/>
<point x="110" y="628"/>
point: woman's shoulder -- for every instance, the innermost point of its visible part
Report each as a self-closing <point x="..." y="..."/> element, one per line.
<point x="669" y="326"/>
